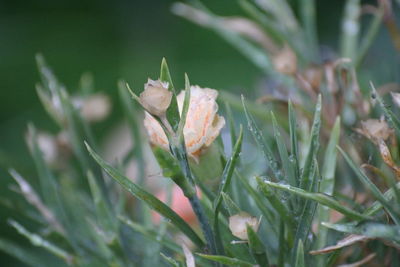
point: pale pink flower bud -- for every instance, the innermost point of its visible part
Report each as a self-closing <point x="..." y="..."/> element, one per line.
<point x="156" y="97"/>
<point x="238" y="224"/>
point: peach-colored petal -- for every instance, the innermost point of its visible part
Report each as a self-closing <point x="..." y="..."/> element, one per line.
<point x="203" y="124"/>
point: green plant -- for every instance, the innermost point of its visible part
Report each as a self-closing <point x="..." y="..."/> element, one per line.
<point x="284" y="190"/>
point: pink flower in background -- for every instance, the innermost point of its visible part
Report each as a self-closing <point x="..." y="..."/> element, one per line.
<point x="180" y="204"/>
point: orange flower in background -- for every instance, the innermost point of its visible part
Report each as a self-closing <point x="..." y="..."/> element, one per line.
<point x="203" y="124"/>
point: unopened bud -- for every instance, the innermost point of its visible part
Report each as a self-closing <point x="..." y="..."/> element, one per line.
<point x="238" y="224"/>
<point x="285" y="61"/>
<point x="156" y="97"/>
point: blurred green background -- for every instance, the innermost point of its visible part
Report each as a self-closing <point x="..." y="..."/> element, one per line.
<point x="122" y="39"/>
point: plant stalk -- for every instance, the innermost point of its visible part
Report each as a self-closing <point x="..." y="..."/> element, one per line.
<point x="205" y="226"/>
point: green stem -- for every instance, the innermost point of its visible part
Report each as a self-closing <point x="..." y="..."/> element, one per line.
<point x="205" y="226"/>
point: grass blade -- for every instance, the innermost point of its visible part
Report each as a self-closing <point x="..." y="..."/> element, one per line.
<point x="300" y="255"/>
<point x="318" y="197"/>
<point x="259" y="138"/>
<point x="368" y="229"/>
<point x="287" y="166"/>
<point x="24" y="255"/>
<point x="257" y="248"/>
<point x="41" y="242"/>
<point x="152" y="201"/>
<point x="293" y="141"/>
<point x="350" y="29"/>
<point x="226" y="260"/>
<point x="306" y="181"/>
<point x="372" y="187"/>
<point x="225" y="182"/>
<point x="172" y="111"/>
<point x="327" y="185"/>
<point x="151" y="234"/>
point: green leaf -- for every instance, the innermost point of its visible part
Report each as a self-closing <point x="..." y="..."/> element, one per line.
<point x="226" y="260"/>
<point x="151" y="234"/>
<point x="259" y="138"/>
<point x="172" y="111"/>
<point x="368" y="229"/>
<point x="37" y="240"/>
<point x="327" y="185"/>
<point x="185" y="109"/>
<point x="230" y="204"/>
<point x="300" y="255"/>
<point x="171" y="261"/>
<point x="308" y="212"/>
<point x="376" y="206"/>
<point x="282" y="244"/>
<point x="228" y="171"/>
<point x="322" y="199"/>
<point x="389" y="115"/>
<point x="224" y="185"/>
<point x="152" y="201"/>
<point x="104" y="213"/>
<point x="280" y="208"/>
<point x="131" y="110"/>
<point x="257" y="248"/>
<point x="306" y="177"/>
<point x="370" y="34"/>
<point x="293" y="141"/>
<point x="266" y="212"/>
<point x="308" y="17"/>
<point x="287" y="166"/>
<point x="231" y="122"/>
<point x="350" y="29"/>
<point x="23" y="254"/>
<point x="371" y="187"/>
<point x="330" y="158"/>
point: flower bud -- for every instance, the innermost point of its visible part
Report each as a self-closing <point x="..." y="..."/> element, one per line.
<point x="238" y="224"/>
<point x="156" y="97"/>
<point x="202" y="127"/>
<point x="285" y="61"/>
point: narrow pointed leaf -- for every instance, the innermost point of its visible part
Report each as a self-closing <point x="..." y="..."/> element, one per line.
<point x="226" y="260"/>
<point x="41" y="242"/>
<point x="327" y="184"/>
<point x="287" y="166"/>
<point x="172" y="111"/>
<point x="259" y="138"/>
<point x="372" y="187"/>
<point x="300" y="255"/>
<point x="306" y="177"/>
<point x="152" y="201"/>
<point x="322" y="199"/>
<point x="257" y="248"/>
<point x="368" y="229"/>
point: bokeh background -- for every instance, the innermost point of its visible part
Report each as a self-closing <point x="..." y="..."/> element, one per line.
<point x="124" y="39"/>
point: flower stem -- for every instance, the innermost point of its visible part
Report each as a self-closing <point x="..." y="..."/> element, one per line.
<point x="205" y="226"/>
